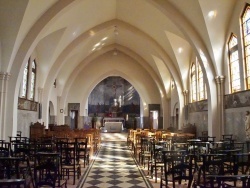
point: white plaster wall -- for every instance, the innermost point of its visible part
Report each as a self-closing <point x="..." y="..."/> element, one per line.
<point x="174" y="101"/>
<point x="53" y="99"/>
<point x="200" y="119"/>
<point x="234" y="122"/>
<point x="24" y="119"/>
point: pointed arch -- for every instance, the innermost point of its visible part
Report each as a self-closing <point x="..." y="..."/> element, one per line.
<point x="245" y="19"/>
<point x="234" y="67"/>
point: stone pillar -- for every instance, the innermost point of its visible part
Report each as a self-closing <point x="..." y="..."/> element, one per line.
<point x="185" y="93"/>
<point x="220" y="85"/>
<point x="60" y="111"/>
<point x="4" y="77"/>
<point x="40" y="94"/>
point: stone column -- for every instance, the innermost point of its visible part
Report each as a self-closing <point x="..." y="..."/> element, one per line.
<point x="60" y="114"/>
<point x="220" y="85"/>
<point x="185" y="93"/>
<point x="4" y="77"/>
<point x="40" y="94"/>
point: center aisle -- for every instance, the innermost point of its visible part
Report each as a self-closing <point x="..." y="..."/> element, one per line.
<point x="114" y="166"/>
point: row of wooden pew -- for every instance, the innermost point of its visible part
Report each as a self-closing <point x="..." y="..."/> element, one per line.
<point x="38" y="131"/>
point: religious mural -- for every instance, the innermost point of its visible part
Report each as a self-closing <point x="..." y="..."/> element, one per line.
<point x="198" y="106"/>
<point x="236" y="100"/>
<point x="24" y="104"/>
<point x="114" y="97"/>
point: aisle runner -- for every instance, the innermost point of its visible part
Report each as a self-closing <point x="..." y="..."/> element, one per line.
<point x="114" y="167"/>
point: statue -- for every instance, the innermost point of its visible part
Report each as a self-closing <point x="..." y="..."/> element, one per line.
<point x="115" y="108"/>
<point x="247" y="125"/>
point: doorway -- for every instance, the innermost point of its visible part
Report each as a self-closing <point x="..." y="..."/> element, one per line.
<point x="177" y="118"/>
<point x="74" y="119"/>
<point x="153" y="116"/>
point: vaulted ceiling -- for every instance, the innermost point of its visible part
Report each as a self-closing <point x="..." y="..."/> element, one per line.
<point x="159" y="36"/>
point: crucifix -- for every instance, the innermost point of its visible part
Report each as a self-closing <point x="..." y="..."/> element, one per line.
<point x="114" y="86"/>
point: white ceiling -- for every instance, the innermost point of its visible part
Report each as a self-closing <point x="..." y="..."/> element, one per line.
<point x="152" y="30"/>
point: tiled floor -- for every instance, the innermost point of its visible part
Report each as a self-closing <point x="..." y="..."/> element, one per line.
<point x="114" y="167"/>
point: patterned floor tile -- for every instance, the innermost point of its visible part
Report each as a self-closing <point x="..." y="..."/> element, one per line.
<point x="114" y="167"/>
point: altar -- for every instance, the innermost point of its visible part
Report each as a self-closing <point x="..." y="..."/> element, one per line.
<point x="113" y="124"/>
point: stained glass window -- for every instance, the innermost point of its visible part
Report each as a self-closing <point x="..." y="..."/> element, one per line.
<point x="246" y="38"/>
<point x="198" y="87"/>
<point x="193" y="83"/>
<point x="33" y="80"/>
<point x="234" y="67"/>
<point x="201" y="85"/>
<point x="25" y="81"/>
<point x="29" y="81"/>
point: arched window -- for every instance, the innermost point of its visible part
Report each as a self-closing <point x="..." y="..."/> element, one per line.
<point x="193" y="83"/>
<point x="29" y="81"/>
<point x="25" y="81"/>
<point x="198" y="87"/>
<point x="246" y="40"/>
<point x="201" y="85"/>
<point x="234" y="67"/>
<point x="33" y="80"/>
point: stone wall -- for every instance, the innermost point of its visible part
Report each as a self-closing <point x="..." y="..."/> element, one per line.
<point x="24" y="119"/>
<point x="236" y="105"/>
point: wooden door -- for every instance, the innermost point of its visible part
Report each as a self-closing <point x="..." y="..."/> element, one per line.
<point x="74" y="119"/>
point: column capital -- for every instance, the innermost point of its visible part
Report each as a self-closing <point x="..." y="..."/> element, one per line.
<point x="219" y="79"/>
<point x="40" y="93"/>
<point x="185" y="92"/>
<point x="40" y="89"/>
<point x="4" y="76"/>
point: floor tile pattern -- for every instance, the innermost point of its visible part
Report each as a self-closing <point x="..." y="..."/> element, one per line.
<point x="114" y="167"/>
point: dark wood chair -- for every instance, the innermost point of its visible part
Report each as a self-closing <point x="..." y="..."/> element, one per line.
<point x="146" y="149"/>
<point x="68" y="159"/>
<point x="181" y="168"/>
<point x="10" y="173"/>
<point x="212" y="164"/>
<point x="4" y="152"/>
<point x="47" y="170"/>
<point x="166" y="154"/>
<point x="223" y="180"/>
<point x="82" y="152"/>
<point x="156" y="162"/>
<point x="227" y="137"/>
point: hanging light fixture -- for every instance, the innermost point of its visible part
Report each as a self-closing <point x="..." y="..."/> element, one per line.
<point x="115" y="52"/>
<point x="116" y="30"/>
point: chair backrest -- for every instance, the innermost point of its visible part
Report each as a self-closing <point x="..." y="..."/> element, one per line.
<point x="44" y="147"/>
<point x="207" y="138"/>
<point x="4" y="152"/>
<point x="156" y="151"/>
<point x="145" y="145"/>
<point x="67" y="152"/>
<point x="46" y="169"/>
<point x="9" y="166"/>
<point x="21" y="150"/>
<point x="179" y="166"/>
<point x="81" y="149"/>
<point x="212" y="164"/>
